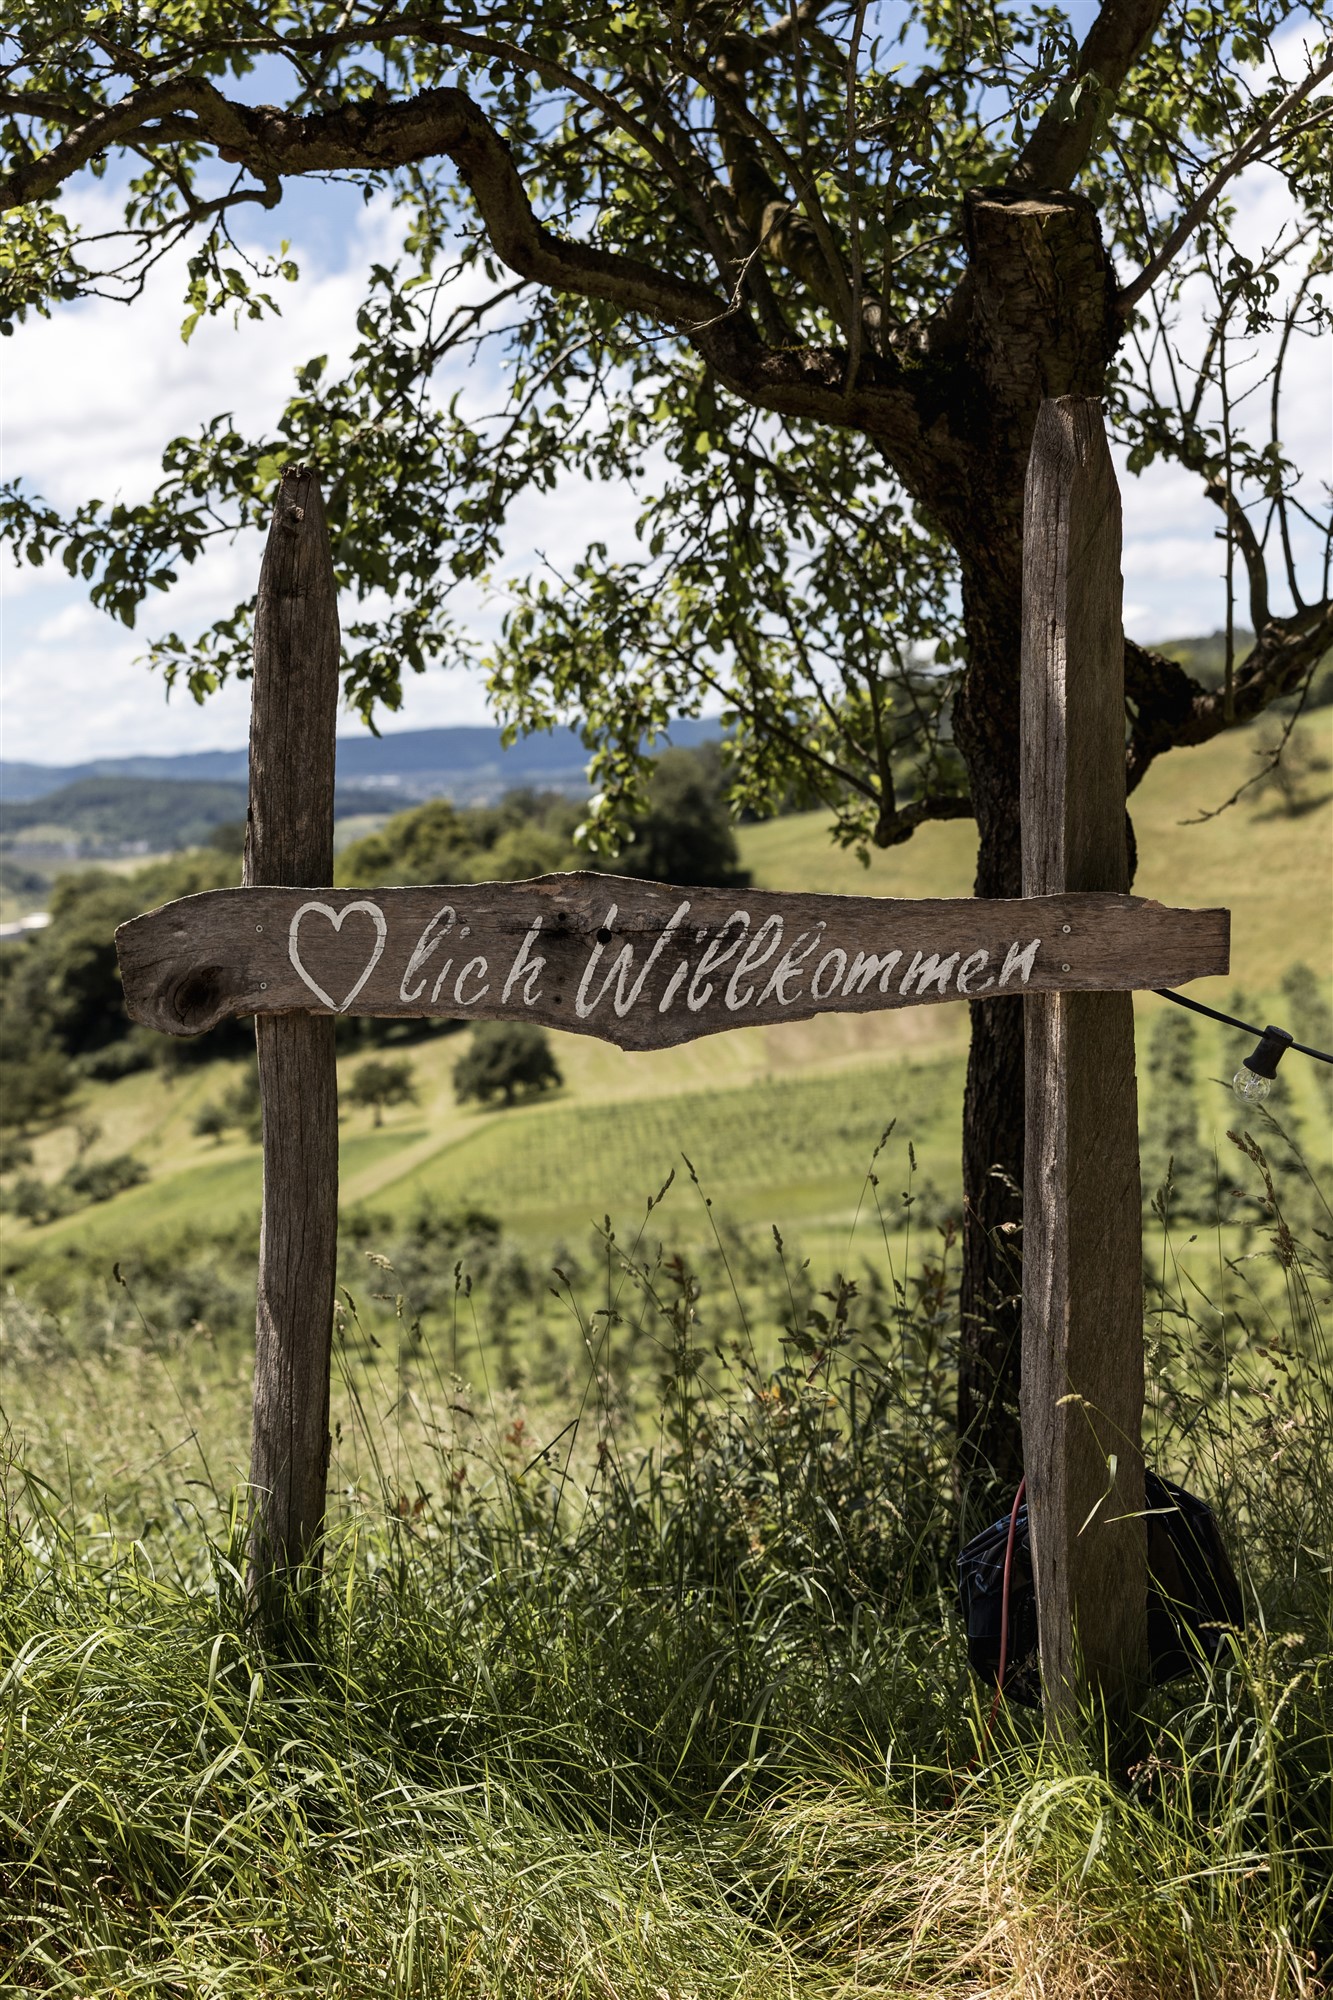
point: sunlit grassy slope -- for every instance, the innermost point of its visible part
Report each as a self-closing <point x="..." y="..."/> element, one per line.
<point x="779" y="1123"/>
<point x="1273" y="871"/>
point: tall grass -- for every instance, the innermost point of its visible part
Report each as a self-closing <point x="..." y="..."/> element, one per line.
<point x="638" y="1674"/>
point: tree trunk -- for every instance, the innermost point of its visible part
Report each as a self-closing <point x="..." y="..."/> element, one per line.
<point x="990" y="1455"/>
<point x="1039" y="322"/>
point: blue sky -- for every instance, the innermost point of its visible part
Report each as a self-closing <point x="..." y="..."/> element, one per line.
<point x="91" y="397"/>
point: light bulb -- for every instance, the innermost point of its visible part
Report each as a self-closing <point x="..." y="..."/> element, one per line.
<point x="1253" y="1081"/>
<point x="1251" y="1089"/>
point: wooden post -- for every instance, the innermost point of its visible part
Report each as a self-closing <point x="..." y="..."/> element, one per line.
<point x="289" y="840"/>
<point x="1082" y="1393"/>
<point x="602" y="956"/>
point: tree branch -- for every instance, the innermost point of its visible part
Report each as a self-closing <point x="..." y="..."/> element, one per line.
<point x="118" y="124"/>
<point x="1235" y="163"/>
<point x="894" y="828"/>
<point x="805" y="382"/>
<point x="1241" y="529"/>
<point x="1060" y="144"/>
<point x="1171" y="710"/>
<point x="35" y="104"/>
<point x="803" y="242"/>
<point x="855" y="325"/>
<point x="774" y="223"/>
<point x="749" y="47"/>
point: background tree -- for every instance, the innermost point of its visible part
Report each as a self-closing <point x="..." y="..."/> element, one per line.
<point x="238" y="1105"/>
<point x="382" y="1081"/>
<point x="683" y="832"/>
<point x="62" y="1015"/>
<point x="826" y="263"/>
<point x="1295" y="774"/>
<point x="87" y="1132"/>
<point x="525" y="833"/>
<point x="508" y="1060"/>
<point x="37" y="1078"/>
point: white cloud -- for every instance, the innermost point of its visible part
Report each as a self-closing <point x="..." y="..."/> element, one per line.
<point x="91" y="397"/>
<point x="71" y="621"/>
<point x="87" y="695"/>
<point x="94" y="393"/>
<point x="1174" y="563"/>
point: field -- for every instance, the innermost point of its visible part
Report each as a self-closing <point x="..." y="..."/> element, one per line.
<point x="779" y="1122"/>
<point x="638" y="1675"/>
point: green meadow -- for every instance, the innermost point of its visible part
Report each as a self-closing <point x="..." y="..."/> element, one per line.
<point x="637" y="1674"/>
<point x="780" y="1122"/>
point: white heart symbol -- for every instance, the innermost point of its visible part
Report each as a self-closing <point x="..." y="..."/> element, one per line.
<point x="335" y="917"/>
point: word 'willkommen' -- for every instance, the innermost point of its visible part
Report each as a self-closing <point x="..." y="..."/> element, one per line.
<point x="741" y="964"/>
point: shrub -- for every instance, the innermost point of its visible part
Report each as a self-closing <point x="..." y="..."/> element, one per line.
<point x="14" y="1153"/>
<point x="86" y="1181"/>
<point x="36" y="1077"/>
<point x="98" y="1180"/>
<point x="506" y="1059"/>
<point x="34" y="1200"/>
<point x="211" y="1122"/>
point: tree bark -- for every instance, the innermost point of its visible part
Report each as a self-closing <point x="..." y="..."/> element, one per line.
<point x="990" y="1454"/>
<point x="1036" y="320"/>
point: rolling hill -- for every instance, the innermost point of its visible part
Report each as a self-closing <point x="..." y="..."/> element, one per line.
<point x="779" y="1122"/>
<point x="469" y="765"/>
<point x="119" y="815"/>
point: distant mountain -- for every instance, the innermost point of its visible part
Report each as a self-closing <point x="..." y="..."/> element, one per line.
<point x="33" y="781"/>
<point x="467" y="765"/>
<point x="110" y="815"/>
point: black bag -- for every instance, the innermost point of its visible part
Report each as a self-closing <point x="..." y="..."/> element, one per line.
<point x="1193" y="1596"/>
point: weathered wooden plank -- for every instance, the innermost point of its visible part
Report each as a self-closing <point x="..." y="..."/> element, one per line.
<point x="640" y="964"/>
<point x="289" y="839"/>
<point x="1082" y="1373"/>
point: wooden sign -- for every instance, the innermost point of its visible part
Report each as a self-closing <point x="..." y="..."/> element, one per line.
<point x="645" y="965"/>
<point x="639" y="964"/>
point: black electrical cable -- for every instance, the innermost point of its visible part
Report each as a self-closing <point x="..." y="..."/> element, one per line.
<point x="1197" y="1007"/>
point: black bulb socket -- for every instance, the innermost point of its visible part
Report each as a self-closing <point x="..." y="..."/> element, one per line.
<point x="1273" y="1045"/>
